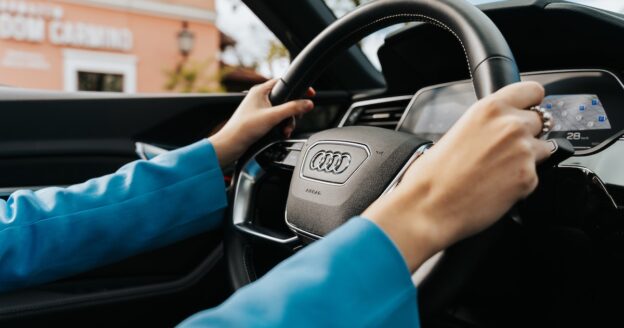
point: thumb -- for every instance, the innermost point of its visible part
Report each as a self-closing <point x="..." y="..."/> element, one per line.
<point x="289" y="109"/>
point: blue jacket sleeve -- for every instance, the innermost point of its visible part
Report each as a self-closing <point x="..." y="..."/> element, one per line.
<point x="355" y="277"/>
<point x="56" y="232"/>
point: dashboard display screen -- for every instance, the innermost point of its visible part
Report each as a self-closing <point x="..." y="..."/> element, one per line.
<point x="587" y="107"/>
<point x="576" y="112"/>
<point x="441" y="108"/>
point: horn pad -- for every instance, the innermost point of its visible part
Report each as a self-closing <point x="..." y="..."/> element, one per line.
<point x="342" y="171"/>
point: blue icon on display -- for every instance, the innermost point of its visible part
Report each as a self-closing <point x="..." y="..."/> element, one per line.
<point x="594" y="102"/>
<point x="581" y="108"/>
<point x="602" y="118"/>
<point x="548" y="106"/>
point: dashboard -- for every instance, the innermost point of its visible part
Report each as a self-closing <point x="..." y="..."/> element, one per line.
<point x="568" y="48"/>
<point x="585" y="95"/>
<point x="587" y="107"/>
<point x="577" y="209"/>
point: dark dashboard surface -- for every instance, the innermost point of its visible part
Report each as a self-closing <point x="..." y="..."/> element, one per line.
<point x="543" y="35"/>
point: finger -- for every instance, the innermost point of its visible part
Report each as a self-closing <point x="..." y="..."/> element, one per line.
<point x="522" y="94"/>
<point x="531" y="119"/>
<point x="311" y="92"/>
<point x="290" y="127"/>
<point x="291" y="108"/>
<point x="542" y="150"/>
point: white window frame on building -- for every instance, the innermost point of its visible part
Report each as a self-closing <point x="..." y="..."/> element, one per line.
<point x="75" y="61"/>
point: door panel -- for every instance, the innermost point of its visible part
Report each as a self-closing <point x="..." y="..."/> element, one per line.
<point x="82" y="136"/>
<point x="60" y="139"/>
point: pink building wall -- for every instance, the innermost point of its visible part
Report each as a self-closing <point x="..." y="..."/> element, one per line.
<point x="41" y="65"/>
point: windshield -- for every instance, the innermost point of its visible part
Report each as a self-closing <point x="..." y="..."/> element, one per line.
<point x="371" y="43"/>
<point x="611" y="5"/>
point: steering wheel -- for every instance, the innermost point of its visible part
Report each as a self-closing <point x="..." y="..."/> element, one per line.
<point x="340" y="172"/>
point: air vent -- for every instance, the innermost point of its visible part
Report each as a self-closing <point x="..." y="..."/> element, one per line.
<point x="384" y="113"/>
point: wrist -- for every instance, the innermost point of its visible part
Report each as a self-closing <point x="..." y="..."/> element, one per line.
<point x="413" y="230"/>
<point x="227" y="148"/>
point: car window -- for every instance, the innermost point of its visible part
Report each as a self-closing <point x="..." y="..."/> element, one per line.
<point x="371" y="44"/>
<point x="611" y="5"/>
<point x="136" y="46"/>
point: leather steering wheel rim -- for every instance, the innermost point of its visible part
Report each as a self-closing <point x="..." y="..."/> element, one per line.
<point x="490" y="62"/>
<point x="489" y="58"/>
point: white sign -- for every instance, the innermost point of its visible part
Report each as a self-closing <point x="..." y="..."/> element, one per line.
<point x="34" y="22"/>
<point x="21" y="28"/>
<point x="89" y="36"/>
<point x="24" y="59"/>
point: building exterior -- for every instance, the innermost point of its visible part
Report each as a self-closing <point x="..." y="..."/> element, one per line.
<point x="106" y="45"/>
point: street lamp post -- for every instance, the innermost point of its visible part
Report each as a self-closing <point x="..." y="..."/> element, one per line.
<point x="186" y="40"/>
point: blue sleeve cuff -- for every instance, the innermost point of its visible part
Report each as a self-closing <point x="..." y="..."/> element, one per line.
<point x="355" y="277"/>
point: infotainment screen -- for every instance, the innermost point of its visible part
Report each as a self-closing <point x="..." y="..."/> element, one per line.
<point x="439" y="110"/>
<point x="576" y="112"/>
<point x="586" y="107"/>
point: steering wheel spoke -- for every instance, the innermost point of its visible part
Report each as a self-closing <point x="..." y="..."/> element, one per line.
<point x="281" y="155"/>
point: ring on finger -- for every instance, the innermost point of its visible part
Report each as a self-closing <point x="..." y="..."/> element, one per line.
<point x="545" y="117"/>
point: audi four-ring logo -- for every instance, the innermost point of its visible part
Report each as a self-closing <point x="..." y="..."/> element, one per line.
<point x="330" y="162"/>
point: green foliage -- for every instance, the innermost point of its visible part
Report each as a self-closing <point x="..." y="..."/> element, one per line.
<point x="276" y="51"/>
<point x="195" y="76"/>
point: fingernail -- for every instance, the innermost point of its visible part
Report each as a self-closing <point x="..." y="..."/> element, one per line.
<point x="308" y="104"/>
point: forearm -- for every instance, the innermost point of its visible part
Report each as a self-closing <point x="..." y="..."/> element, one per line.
<point x="411" y="230"/>
<point x="56" y="232"/>
<point x="355" y="277"/>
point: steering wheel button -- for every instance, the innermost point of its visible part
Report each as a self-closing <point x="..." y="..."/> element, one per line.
<point x="291" y="159"/>
<point x="295" y="146"/>
<point x="552" y="146"/>
<point x="560" y="150"/>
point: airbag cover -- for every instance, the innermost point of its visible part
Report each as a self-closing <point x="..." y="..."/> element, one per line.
<point x="342" y="171"/>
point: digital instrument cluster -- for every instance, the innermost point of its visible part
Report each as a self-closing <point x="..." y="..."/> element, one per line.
<point x="587" y="106"/>
<point x="576" y="112"/>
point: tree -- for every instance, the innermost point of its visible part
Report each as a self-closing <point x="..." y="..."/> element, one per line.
<point x="277" y="51"/>
<point x="195" y="76"/>
<point x="341" y="7"/>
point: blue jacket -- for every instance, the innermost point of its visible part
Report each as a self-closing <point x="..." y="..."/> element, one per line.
<point x="353" y="277"/>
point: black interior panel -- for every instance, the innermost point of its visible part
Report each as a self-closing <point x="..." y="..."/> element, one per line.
<point x="50" y="141"/>
<point x="58" y="138"/>
<point x="543" y="35"/>
<point x="50" y="138"/>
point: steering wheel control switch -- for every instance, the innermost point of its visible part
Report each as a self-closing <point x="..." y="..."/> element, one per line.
<point x="253" y="212"/>
<point x="560" y="150"/>
<point x="284" y="154"/>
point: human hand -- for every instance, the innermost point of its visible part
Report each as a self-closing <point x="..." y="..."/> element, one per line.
<point x="254" y="118"/>
<point x="468" y="180"/>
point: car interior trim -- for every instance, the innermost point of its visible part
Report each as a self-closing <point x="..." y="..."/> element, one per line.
<point x="106" y="297"/>
<point x="596" y="179"/>
<point x="371" y="102"/>
<point x="7" y="191"/>
<point x="299" y="230"/>
<point x="242" y="217"/>
<point x="419" y="152"/>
